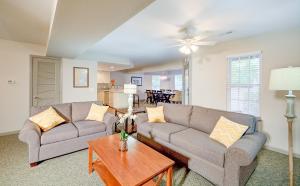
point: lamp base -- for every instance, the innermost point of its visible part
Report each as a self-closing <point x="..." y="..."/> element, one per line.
<point x="290" y="148"/>
<point x="290" y="115"/>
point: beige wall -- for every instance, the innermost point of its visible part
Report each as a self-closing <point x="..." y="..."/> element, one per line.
<point x="16" y="66"/>
<point x="71" y="94"/>
<point x="209" y="76"/>
<point x="14" y="98"/>
<point x="103" y="76"/>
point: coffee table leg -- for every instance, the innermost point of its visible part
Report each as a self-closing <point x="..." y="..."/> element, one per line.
<point x="90" y="155"/>
<point x="169" y="176"/>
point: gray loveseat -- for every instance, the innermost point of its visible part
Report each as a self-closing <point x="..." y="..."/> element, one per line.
<point x="187" y="133"/>
<point x="64" y="138"/>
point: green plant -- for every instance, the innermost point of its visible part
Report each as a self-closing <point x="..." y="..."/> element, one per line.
<point x="123" y="135"/>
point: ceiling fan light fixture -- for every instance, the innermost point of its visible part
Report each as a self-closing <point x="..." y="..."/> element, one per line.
<point x="185" y="50"/>
<point x="194" y="48"/>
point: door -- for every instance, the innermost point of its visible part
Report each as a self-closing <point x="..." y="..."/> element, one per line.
<point x="46" y="82"/>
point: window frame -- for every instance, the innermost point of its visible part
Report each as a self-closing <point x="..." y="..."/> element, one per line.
<point x="229" y="85"/>
<point x="152" y="82"/>
<point x="181" y="81"/>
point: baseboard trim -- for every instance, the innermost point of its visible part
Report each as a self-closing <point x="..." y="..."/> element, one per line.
<point x="9" y="133"/>
<point x="280" y="151"/>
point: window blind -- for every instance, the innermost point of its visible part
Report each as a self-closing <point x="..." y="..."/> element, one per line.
<point x="243" y="87"/>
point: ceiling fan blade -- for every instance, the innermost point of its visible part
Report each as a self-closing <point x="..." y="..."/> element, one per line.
<point x="209" y="43"/>
<point x="172" y="46"/>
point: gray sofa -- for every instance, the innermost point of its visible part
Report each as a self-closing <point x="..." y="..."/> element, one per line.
<point x="64" y="138"/>
<point x="187" y="132"/>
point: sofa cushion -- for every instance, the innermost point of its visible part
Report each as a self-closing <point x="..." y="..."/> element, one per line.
<point x="60" y="133"/>
<point x="205" y="119"/>
<point x="199" y="144"/>
<point x="47" y="119"/>
<point x="145" y="128"/>
<point x="64" y="110"/>
<point x="164" y="130"/>
<point x="87" y="127"/>
<point x="80" y="110"/>
<point x="177" y="113"/>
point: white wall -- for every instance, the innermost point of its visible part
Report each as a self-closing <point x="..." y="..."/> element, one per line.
<point x="209" y="75"/>
<point x="70" y="94"/>
<point x="14" y="98"/>
<point x="103" y="76"/>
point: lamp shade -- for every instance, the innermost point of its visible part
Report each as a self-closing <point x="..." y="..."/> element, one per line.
<point x="285" y="79"/>
<point x="129" y="89"/>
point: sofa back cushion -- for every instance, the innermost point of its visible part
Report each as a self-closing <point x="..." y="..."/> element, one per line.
<point x="177" y="113"/>
<point x="80" y="110"/>
<point x="64" y="110"/>
<point x="205" y="119"/>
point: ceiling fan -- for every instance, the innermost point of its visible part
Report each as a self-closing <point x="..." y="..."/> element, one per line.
<point x="191" y="42"/>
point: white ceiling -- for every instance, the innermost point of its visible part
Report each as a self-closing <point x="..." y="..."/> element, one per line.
<point x="146" y="37"/>
<point x="109" y="67"/>
<point x="26" y="20"/>
<point x="79" y="24"/>
<point x="137" y="31"/>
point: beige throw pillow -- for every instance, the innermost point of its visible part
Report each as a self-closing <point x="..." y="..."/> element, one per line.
<point x="47" y="119"/>
<point x="156" y="114"/>
<point x="227" y="132"/>
<point x="97" y="112"/>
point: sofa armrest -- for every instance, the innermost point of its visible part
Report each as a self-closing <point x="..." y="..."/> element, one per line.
<point x="241" y="154"/>
<point x="109" y="120"/>
<point x="141" y="118"/>
<point x="31" y="134"/>
<point x="246" y="149"/>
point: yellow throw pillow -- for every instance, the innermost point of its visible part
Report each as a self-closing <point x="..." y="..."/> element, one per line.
<point x="227" y="132"/>
<point x="156" y="114"/>
<point x="47" y="119"/>
<point x="97" y="112"/>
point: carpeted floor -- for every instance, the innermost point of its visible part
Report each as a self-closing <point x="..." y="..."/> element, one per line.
<point x="71" y="169"/>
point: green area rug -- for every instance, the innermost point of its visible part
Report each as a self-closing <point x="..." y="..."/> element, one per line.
<point x="72" y="169"/>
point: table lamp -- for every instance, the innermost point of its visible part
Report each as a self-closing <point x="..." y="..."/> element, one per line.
<point x="287" y="79"/>
<point x="130" y="89"/>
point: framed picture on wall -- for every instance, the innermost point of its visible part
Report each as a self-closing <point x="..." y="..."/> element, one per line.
<point x="80" y="77"/>
<point x="138" y="81"/>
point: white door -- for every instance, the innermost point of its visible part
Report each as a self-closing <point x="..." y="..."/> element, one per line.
<point x="45" y="81"/>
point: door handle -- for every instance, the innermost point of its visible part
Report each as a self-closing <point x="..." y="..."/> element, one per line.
<point x="36" y="97"/>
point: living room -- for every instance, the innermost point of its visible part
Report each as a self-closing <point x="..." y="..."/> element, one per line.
<point x="235" y="62"/>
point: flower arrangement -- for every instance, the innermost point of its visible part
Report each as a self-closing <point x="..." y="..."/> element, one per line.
<point x="123" y="135"/>
<point x="123" y="117"/>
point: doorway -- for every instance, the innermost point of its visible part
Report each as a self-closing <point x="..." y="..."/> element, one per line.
<point x="46" y="81"/>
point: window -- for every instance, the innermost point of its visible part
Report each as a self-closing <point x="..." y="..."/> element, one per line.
<point x="178" y="82"/>
<point x="243" y="87"/>
<point x="155" y="82"/>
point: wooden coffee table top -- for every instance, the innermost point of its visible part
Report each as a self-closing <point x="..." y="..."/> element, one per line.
<point x="134" y="167"/>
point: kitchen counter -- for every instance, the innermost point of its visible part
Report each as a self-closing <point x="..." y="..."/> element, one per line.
<point x="117" y="98"/>
<point x="113" y="97"/>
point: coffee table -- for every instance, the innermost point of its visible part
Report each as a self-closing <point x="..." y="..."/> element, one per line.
<point x="137" y="166"/>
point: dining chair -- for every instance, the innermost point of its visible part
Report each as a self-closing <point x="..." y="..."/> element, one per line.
<point x="177" y="98"/>
<point x="149" y="98"/>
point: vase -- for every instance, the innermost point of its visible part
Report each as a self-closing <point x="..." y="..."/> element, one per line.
<point x="123" y="145"/>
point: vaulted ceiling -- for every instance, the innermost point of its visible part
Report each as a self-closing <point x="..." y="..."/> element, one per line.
<point x="141" y="32"/>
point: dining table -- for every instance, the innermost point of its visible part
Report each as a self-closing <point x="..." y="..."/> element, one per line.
<point x="163" y="96"/>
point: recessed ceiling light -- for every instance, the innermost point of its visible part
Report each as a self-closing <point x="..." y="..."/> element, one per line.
<point x="111" y="67"/>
